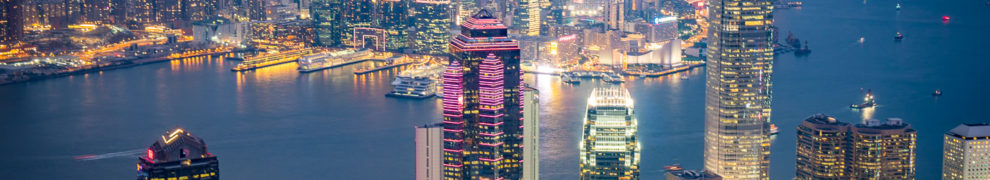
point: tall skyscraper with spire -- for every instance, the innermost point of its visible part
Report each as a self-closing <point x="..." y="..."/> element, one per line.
<point x="738" y="88"/>
<point x="482" y="105"/>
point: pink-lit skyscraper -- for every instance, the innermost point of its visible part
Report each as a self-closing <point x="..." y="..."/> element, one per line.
<point x="482" y="103"/>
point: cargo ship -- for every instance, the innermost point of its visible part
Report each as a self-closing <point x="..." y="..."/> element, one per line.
<point x="421" y="82"/>
<point x="325" y="60"/>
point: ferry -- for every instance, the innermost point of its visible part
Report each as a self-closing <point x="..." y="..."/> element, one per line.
<point x="324" y="60"/>
<point x="417" y="83"/>
<point x="868" y="101"/>
<point x="899" y="36"/>
<point x="568" y="79"/>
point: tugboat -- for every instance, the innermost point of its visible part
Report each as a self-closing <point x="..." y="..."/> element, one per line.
<point x="867" y="101"/>
<point x="773" y="129"/>
<point x="898" y="37"/>
<point x="938" y="92"/>
<point x="804" y="50"/>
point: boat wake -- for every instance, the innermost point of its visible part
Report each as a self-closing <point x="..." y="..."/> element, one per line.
<point x="129" y="153"/>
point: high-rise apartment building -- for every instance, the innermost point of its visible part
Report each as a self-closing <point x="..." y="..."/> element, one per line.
<point x="738" y="88"/>
<point x="432" y="22"/>
<point x="821" y="148"/>
<point x="882" y="150"/>
<point x="966" y="152"/>
<point x="531" y="134"/>
<point x="429" y="152"/>
<point x="178" y="155"/>
<point x="482" y="103"/>
<point x="615" y="14"/>
<point x="610" y="147"/>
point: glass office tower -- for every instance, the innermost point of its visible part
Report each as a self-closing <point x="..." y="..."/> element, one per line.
<point x="482" y="105"/>
<point x="610" y="147"/>
<point x="738" y="88"/>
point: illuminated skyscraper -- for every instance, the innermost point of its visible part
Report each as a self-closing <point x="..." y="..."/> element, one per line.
<point x="429" y="152"/>
<point x="610" y="147"/>
<point x="882" y="150"/>
<point x="178" y="155"/>
<point x="482" y="103"/>
<point x="527" y="17"/>
<point x="738" y="88"/>
<point x="531" y="134"/>
<point x="327" y="21"/>
<point x="821" y="148"/>
<point x="355" y="14"/>
<point x="432" y="23"/>
<point x="965" y="152"/>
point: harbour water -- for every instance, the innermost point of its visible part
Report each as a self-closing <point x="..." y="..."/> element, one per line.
<point x="275" y="123"/>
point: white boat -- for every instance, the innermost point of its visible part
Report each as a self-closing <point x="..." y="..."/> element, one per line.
<point x="417" y="83"/>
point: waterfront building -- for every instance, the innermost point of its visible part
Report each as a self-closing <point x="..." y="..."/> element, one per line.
<point x="658" y="30"/>
<point x="432" y="22"/>
<point x="738" y="88"/>
<point x="220" y="30"/>
<point x="531" y="133"/>
<point x="429" y="152"/>
<point x="482" y="103"/>
<point x="882" y="150"/>
<point x="327" y="21"/>
<point x="610" y="147"/>
<point x="821" y="148"/>
<point x="676" y="172"/>
<point x="965" y="152"/>
<point x="178" y="155"/>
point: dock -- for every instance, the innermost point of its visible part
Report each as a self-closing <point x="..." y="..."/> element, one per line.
<point x="665" y="72"/>
<point x="379" y="68"/>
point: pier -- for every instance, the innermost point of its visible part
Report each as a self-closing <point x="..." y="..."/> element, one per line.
<point x="687" y="65"/>
<point x="266" y="60"/>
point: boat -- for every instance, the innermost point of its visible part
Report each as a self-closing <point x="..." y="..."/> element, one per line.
<point x="570" y="80"/>
<point x="937" y="92"/>
<point x="614" y="79"/>
<point x="898" y="7"/>
<point x="804" y="50"/>
<point x="899" y="36"/>
<point x="945" y="18"/>
<point x="418" y="83"/>
<point x="325" y="60"/>
<point x="774" y="129"/>
<point x="868" y="101"/>
<point x="684" y="77"/>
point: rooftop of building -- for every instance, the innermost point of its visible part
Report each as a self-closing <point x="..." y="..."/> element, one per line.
<point x="891" y="125"/>
<point x="824" y="120"/>
<point x="614" y="96"/>
<point x="971" y="130"/>
<point x="177" y="145"/>
<point x="681" y="173"/>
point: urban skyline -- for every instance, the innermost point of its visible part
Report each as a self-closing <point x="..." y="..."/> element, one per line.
<point x="481" y="89"/>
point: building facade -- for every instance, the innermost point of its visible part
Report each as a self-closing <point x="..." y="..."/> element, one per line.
<point x="429" y="152"/>
<point x="882" y="150"/>
<point x="531" y="133"/>
<point x="327" y="21"/>
<point x="610" y="147"/>
<point x="178" y="155"/>
<point x="482" y="112"/>
<point x="432" y="22"/>
<point x="738" y="88"/>
<point x="965" y="152"/>
<point x="821" y="148"/>
<point x="11" y="26"/>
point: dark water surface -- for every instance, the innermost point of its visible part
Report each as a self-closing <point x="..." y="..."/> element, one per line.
<point x="275" y="123"/>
